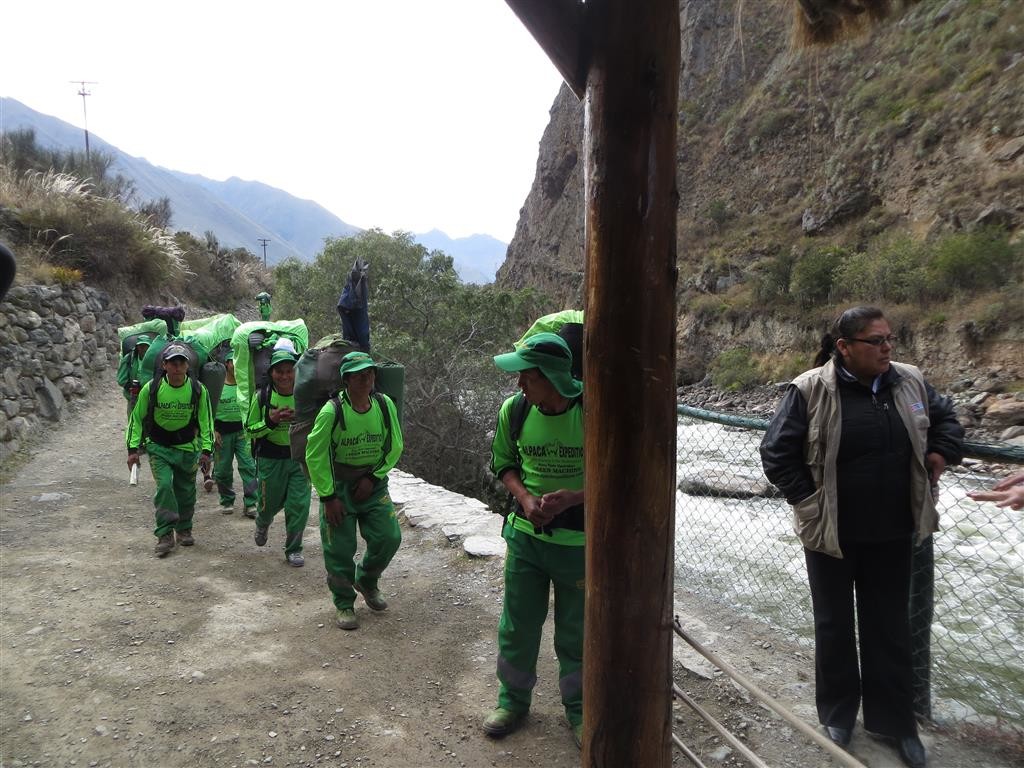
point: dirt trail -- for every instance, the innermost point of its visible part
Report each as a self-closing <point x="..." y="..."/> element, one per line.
<point x="222" y="655"/>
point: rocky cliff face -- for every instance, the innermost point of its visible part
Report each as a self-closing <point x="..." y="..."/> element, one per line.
<point x="918" y="127"/>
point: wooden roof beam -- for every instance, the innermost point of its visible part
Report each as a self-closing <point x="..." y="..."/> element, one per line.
<point x="558" y="27"/>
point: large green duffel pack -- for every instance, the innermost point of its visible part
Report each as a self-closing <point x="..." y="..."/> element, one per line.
<point x="318" y="378"/>
<point x="199" y="337"/>
<point x="212" y="333"/>
<point x="569" y="325"/>
<point x="209" y="372"/>
<point x="129" y="334"/>
<point x="252" y="344"/>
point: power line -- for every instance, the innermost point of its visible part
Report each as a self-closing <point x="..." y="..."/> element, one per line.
<point x="85" y="118"/>
<point x="263" y="241"/>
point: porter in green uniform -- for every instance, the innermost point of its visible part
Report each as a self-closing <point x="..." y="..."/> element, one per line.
<point x="130" y="369"/>
<point x="265" y="307"/>
<point x="355" y="441"/>
<point x="540" y="462"/>
<point x="281" y="481"/>
<point x="176" y="422"/>
<point x="231" y="443"/>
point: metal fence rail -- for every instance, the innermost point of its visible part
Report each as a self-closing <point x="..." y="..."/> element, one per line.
<point x="734" y="543"/>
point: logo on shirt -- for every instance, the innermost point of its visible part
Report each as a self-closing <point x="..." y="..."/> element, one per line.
<point x="554" y="449"/>
<point x="915" y="407"/>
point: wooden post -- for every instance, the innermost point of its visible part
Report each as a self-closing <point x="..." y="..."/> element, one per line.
<point x="629" y="52"/>
<point x="630" y="453"/>
<point x="631" y="199"/>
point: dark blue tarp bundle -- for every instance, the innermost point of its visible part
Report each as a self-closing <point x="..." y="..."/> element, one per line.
<point x="353" y="306"/>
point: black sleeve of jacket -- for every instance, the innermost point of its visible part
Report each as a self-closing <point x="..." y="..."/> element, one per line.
<point x="945" y="435"/>
<point x="782" y="449"/>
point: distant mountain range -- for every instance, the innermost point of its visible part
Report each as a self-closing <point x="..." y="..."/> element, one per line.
<point x="241" y="212"/>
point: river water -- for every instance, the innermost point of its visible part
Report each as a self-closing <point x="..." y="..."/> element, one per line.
<point x="743" y="553"/>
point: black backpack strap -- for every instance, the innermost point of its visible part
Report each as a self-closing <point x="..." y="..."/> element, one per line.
<point x="263" y="396"/>
<point x="339" y="417"/>
<point x="516" y="419"/>
<point x="154" y="386"/>
<point x="386" y="415"/>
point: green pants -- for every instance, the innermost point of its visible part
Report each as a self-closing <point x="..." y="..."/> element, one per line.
<point x="379" y="528"/>
<point x="234" y="445"/>
<point x="531" y="566"/>
<point x="283" y="486"/>
<point x="174" y="473"/>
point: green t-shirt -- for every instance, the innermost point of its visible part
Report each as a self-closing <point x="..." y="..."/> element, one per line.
<point x="228" y="408"/>
<point x="360" y="444"/>
<point x="548" y="456"/>
<point x="173" y="411"/>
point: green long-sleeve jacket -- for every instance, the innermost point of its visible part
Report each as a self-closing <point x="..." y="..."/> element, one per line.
<point x="174" y="410"/>
<point x="363" y="443"/>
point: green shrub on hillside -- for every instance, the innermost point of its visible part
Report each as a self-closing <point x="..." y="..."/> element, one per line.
<point x="891" y="270"/>
<point x="772" y="277"/>
<point x="719" y="213"/>
<point x="977" y="260"/>
<point x="773" y="122"/>
<point x="813" y="272"/>
<point x="734" y="370"/>
<point x="785" y="366"/>
<point x="707" y="307"/>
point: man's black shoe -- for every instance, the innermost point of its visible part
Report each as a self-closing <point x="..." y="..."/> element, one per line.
<point x="838" y="735"/>
<point x="912" y="751"/>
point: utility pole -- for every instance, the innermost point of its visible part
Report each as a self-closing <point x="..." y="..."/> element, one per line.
<point x="85" y="118"/>
<point x="263" y="241"/>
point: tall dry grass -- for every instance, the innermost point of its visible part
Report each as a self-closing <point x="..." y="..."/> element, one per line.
<point x="55" y="220"/>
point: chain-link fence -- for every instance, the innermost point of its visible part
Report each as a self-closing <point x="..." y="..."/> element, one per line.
<point x="735" y="543"/>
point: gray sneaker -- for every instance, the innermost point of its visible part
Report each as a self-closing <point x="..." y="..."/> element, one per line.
<point x="250" y="512"/>
<point x="227" y="509"/>
<point x="295" y="559"/>
<point x="164" y="545"/>
<point x="260" y="536"/>
<point x="185" y="538"/>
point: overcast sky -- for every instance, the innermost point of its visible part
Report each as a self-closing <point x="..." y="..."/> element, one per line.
<point x="398" y="114"/>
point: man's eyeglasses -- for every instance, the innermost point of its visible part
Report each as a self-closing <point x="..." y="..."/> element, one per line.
<point x="877" y="341"/>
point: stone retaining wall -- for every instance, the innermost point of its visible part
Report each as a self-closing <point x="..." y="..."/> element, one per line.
<point x="53" y="341"/>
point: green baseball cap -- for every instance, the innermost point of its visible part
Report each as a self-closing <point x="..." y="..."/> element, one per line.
<point x="549" y="353"/>
<point x="356" y="361"/>
<point x="281" y="356"/>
